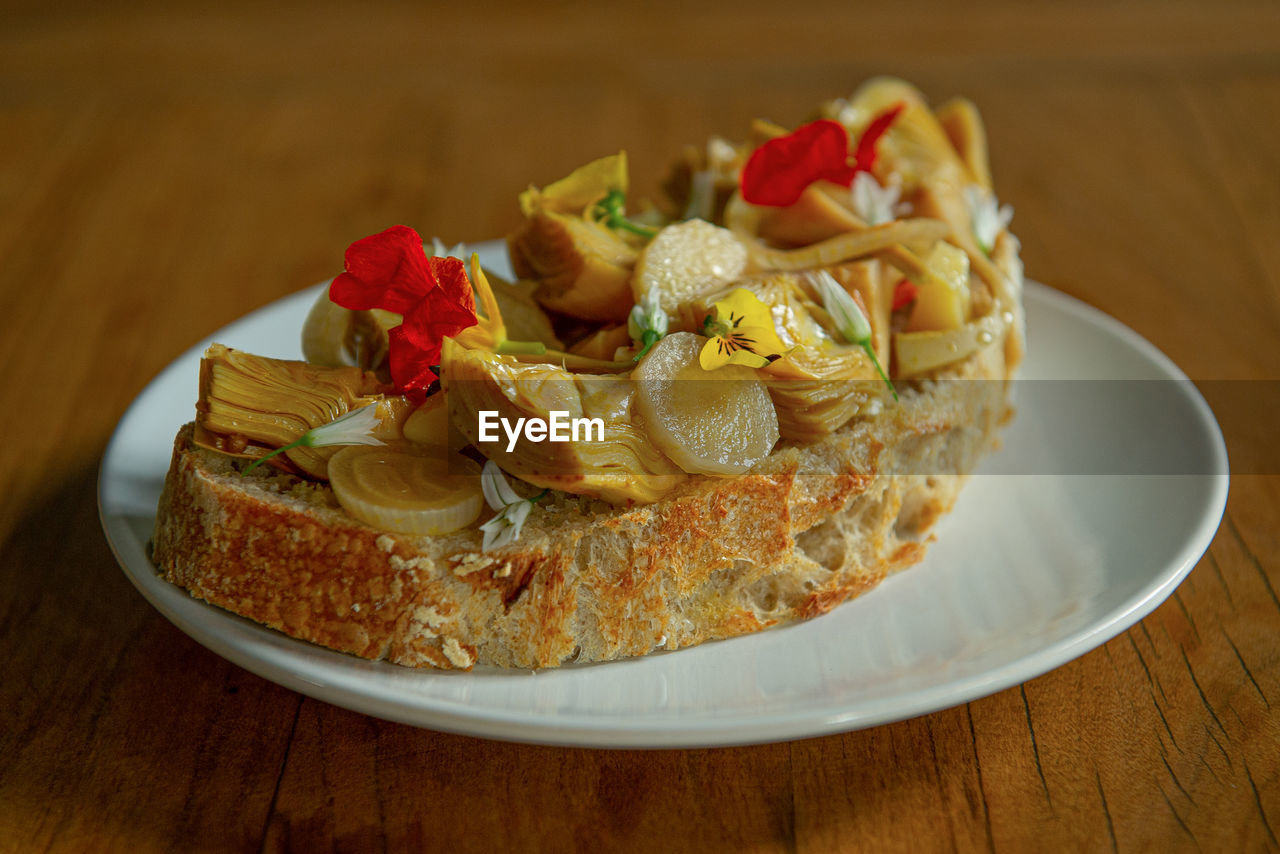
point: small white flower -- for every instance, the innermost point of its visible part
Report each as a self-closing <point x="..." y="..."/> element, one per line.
<point x="439" y="250"/>
<point x="875" y="204"/>
<point x="497" y="491"/>
<point x="647" y="322"/>
<point x="848" y="317"/>
<point x="354" y="428"/>
<point x="504" y="528"/>
<point x="648" y="316"/>
<point x="721" y="156"/>
<point x="988" y="216"/>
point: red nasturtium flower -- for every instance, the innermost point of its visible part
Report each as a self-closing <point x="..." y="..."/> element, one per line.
<point x="391" y="271"/>
<point x="780" y="170"/>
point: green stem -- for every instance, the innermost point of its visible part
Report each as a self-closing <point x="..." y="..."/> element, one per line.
<point x="866" y="345"/>
<point x="296" y="443"/>
<point x="611" y="207"/>
<point x="536" y="348"/>
<point x="621" y="223"/>
<point x="648" y="339"/>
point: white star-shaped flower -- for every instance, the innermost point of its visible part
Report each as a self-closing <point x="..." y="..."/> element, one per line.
<point x="873" y="203"/>
<point x="504" y="528"/>
<point x="988" y="216"/>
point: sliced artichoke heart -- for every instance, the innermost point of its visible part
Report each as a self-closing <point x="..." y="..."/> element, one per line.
<point x="250" y="405"/>
<point x="523" y="316"/>
<point x="823" y="211"/>
<point x="580" y="188"/>
<point x="943" y="297"/>
<point x="817" y="390"/>
<point x="582" y="268"/>
<point x="962" y="123"/>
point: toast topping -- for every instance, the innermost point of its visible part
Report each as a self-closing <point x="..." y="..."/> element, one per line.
<point x="805" y="272"/>
<point x="405" y="490"/>
<point x="390" y="271"/>
<point x="709" y="422"/>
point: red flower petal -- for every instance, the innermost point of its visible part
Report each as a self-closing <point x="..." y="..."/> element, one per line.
<point x="388" y="270"/>
<point x="780" y="170"/>
<point x="452" y="277"/>
<point x="411" y="365"/>
<point x="435" y="318"/>
<point x="904" y="293"/>
<point x="391" y="271"/>
<point x="864" y="158"/>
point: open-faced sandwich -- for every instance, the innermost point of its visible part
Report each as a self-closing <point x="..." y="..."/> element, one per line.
<point x="674" y="426"/>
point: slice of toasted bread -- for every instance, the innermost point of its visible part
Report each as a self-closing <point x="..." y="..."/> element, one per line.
<point x="808" y="528"/>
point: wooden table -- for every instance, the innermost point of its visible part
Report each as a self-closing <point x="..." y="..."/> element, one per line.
<point x="165" y="170"/>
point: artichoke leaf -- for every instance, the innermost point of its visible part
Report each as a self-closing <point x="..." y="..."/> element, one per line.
<point x="582" y="268"/>
<point x="580" y="189"/>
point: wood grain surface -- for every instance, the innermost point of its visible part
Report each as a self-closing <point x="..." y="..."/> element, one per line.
<point x="166" y="168"/>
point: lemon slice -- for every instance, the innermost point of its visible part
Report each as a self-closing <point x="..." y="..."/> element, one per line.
<point x="406" y="492"/>
<point x="707" y="422"/>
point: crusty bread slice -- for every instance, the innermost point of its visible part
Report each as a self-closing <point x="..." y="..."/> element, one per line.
<point x="808" y="528"/>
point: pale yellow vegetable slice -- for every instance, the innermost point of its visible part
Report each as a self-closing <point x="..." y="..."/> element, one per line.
<point x="708" y="422"/>
<point x="942" y="301"/>
<point x="854" y="244"/>
<point x="918" y="352"/>
<point x="406" y="492"/>
<point x="960" y="119"/>
<point x="685" y="261"/>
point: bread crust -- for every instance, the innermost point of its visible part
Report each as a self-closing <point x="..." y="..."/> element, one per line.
<point x="807" y="529"/>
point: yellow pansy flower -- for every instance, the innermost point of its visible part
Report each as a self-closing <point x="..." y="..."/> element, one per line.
<point x="740" y="332"/>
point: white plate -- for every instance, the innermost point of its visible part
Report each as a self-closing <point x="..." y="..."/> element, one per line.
<point x="1034" y="567"/>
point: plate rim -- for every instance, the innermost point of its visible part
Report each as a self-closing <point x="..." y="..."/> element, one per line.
<point x="578" y="730"/>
